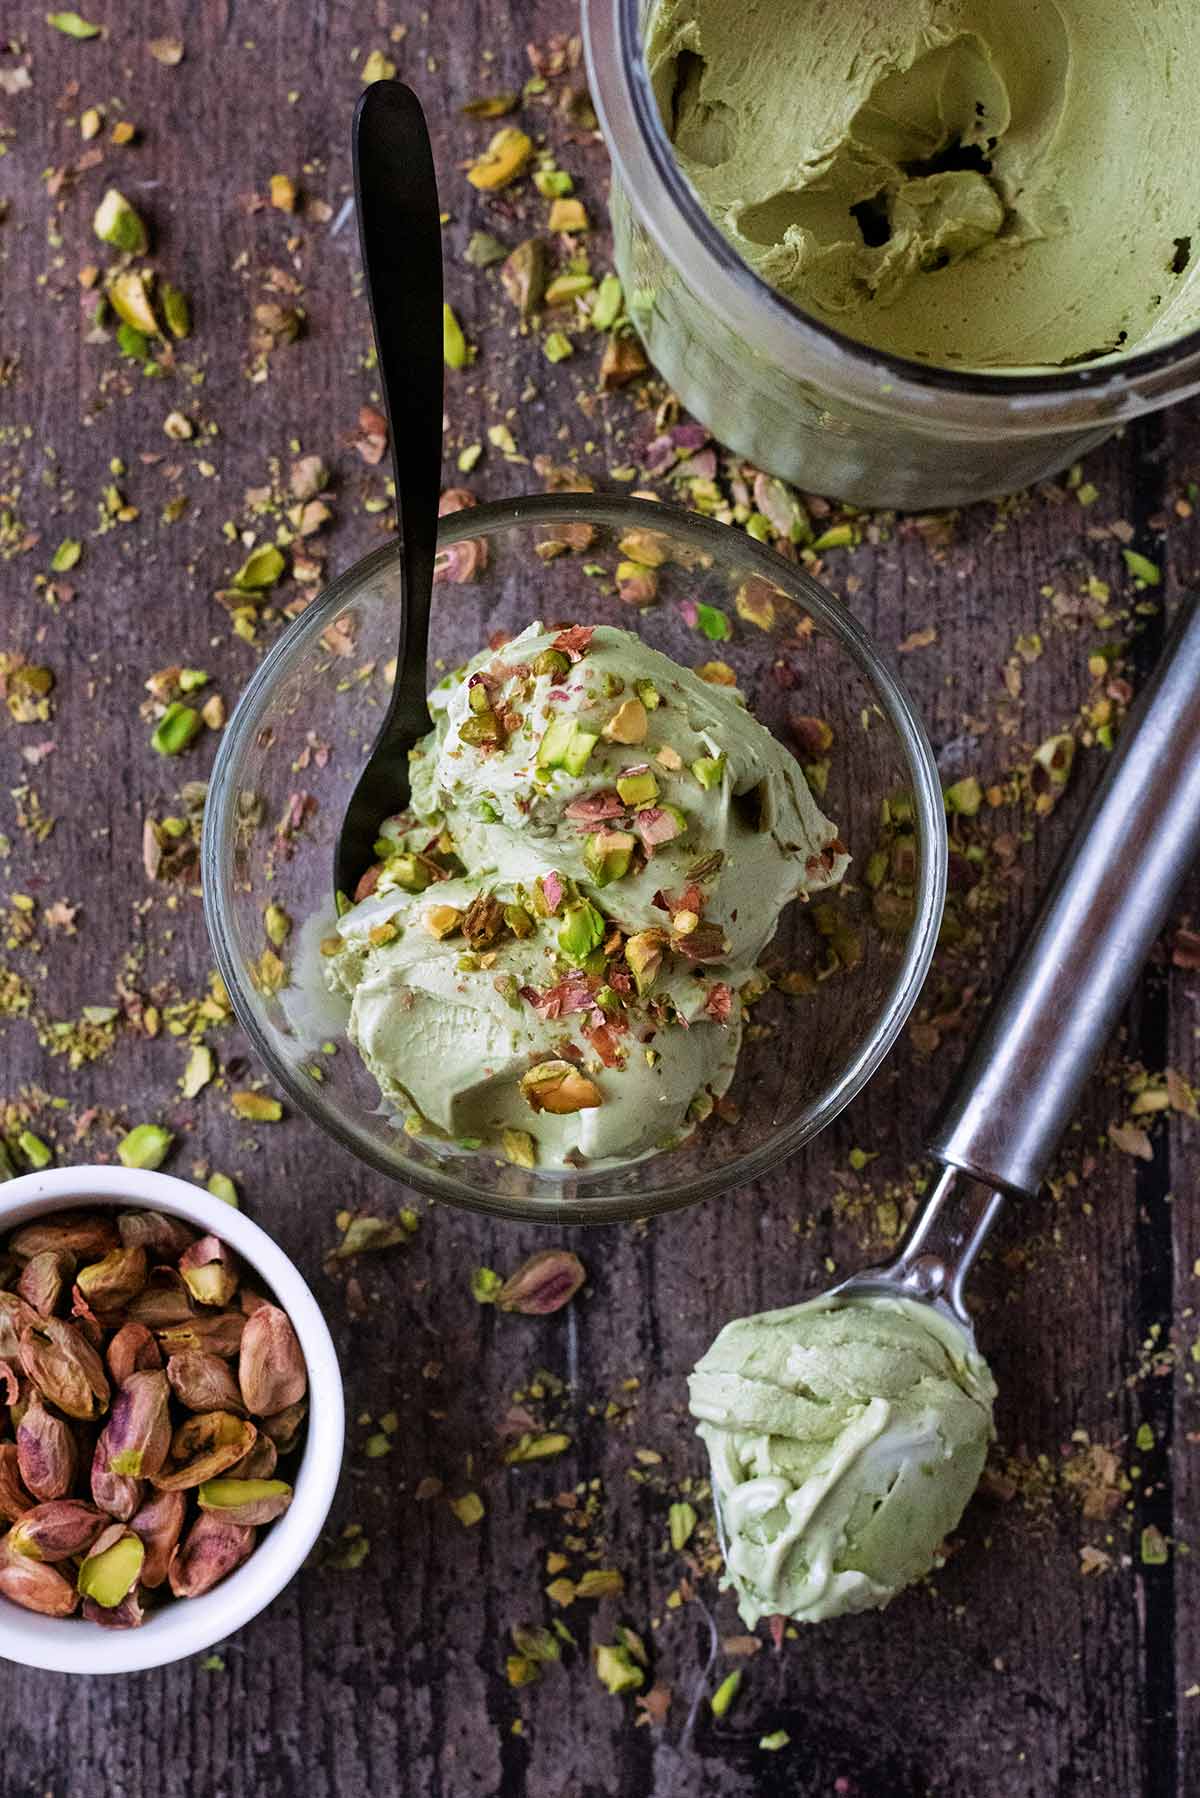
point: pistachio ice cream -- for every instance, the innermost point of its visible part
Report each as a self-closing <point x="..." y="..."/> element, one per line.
<point x="550" y="956"/>
<point x="845" y="1439"/>
<point x="983" y="183"/>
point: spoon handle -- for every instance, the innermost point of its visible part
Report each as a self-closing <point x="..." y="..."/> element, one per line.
<point x="1108" y="902"/>
<point x="400" y="232"/>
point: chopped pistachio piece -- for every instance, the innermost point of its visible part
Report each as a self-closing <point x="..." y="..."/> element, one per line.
<point x="261" y="569"/>
<point x="222" y="1187"/>
<point x="582" y="931"/>
<point x="640" y="788"/>
<point x="129" y="297"/>
<point x="725" y="1693"/>
<point x="523" y="276"/>
<point x="256" y="1108"/>
<point x="519" y="1148"/>
<point x="502" y="161"/>
<point x="283" y="193"/>
<point x="442" y="920"/>
<point x="72" y="25"/>
<point x="553" y="747"/>
<point x="278" y="925"/>
<point x="469" y="1509"/>
<point x="377" y="67"/>
<point x="116" y="223"/>
<point x="628" y="723"/>
<point x="198" y="1072"/>
<point x="145" y="1146"/>
<point x="485" y="1284"/>
<point x="568" y="215"/>
<point x="34" y="1150"/>
<point x="456" y="352"/>
<point x="1056" y="755"/>
<point x="579" y="749"/>
<point x="616" y="1668"/>
<point x="607" y="855"/>
<point x="965" y="797"/>
<point x="709" y="770"/>
<point x="681" y="1521"/>
<point x="536" y="1448"/>
<point x="559" y="1087"/>
<point x="66" y="555"/>
<point x="175" y="310"/>
<point x="176" y="729"/>
<point x="606" y="308"/>
<point x="567" y="287"/>
<point x="553" y="184"/>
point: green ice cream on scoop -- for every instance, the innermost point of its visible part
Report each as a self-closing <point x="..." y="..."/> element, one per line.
<point x="547" y="959"/>
<point x="846" y="1437"/>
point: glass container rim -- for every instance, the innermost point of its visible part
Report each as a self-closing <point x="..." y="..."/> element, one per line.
<point x="874" y="377"/>
<point x="619" y="513"/>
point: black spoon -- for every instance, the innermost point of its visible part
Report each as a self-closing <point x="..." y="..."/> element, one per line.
<point x="401" y="235"/>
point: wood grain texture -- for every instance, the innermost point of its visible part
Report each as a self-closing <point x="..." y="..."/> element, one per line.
<point x="1010" y="1673"/>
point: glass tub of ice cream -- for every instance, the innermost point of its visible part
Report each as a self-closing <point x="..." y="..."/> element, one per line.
<point x="664" y="890"/>
<point x="913" y="256"/>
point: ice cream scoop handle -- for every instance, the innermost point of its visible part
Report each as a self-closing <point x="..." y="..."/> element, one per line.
<point x="1108" y="902"/>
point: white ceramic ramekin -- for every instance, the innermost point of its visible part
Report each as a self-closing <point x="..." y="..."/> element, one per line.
<point x="189" y="1625"/>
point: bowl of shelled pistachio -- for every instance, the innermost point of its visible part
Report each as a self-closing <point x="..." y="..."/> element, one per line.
<point x="171" y="1420"/>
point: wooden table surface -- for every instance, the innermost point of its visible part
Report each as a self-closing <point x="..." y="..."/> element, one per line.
<point x="1059" y="1648"/>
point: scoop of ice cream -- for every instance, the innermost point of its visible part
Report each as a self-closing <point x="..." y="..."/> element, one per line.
<point x="846" y="1438"/>
<point x="514" y="1045"/>
<point x="548" y="957"/>
<point x="587" y="754"/>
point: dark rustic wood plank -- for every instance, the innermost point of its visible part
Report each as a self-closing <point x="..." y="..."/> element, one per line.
<point x="1010" y="1673"/>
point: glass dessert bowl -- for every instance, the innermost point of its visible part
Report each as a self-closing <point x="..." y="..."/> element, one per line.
<point x="844" y="967"/>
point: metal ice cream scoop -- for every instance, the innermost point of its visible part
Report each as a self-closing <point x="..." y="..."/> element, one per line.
<point x="1061" y="1002"/>
<point x="1108" y="901"/>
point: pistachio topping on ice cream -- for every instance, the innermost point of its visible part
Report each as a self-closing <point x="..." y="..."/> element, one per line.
<point x="550" y="955"/>
<point x="846" y="1437"/>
